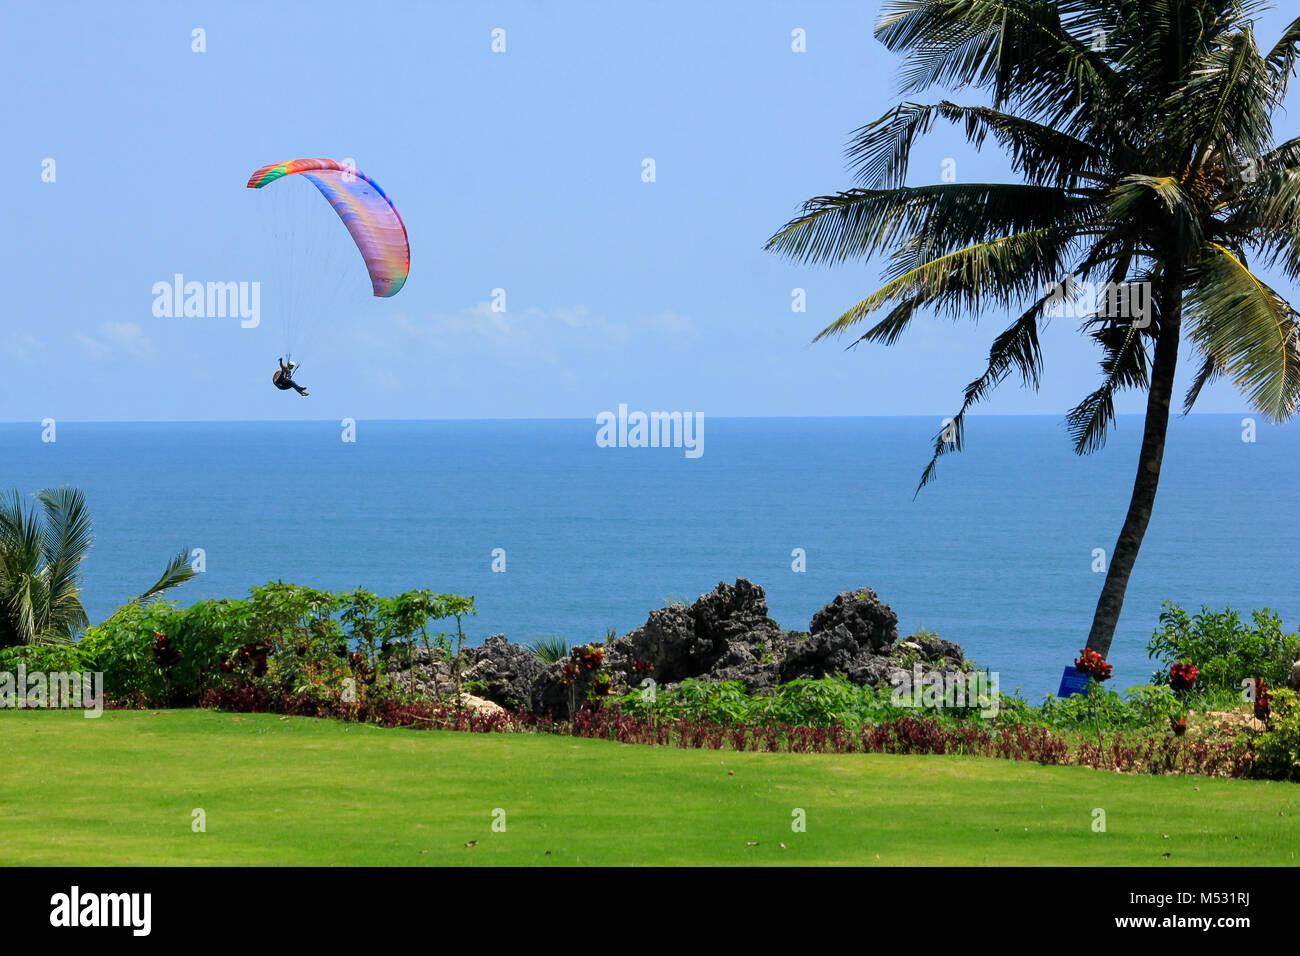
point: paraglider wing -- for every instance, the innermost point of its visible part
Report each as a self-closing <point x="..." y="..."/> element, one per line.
<point x="370" y="216"/>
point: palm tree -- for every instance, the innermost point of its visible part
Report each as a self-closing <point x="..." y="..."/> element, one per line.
<point x="40" y="568"/>
<point x="1142" y="132"/>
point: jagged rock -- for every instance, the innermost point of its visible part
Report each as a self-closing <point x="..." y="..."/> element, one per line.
<point x="503" y="672"/>
<point x="1293" y="679"/>
<point x="726" y="628"/>
<point x="869" y="622"/>
<point x="937" y="651"/>
<point x="432" y="671"/>
<point x="726" y="635"/>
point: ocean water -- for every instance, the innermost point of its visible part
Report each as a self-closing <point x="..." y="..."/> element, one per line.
<point x="997" y="555"/>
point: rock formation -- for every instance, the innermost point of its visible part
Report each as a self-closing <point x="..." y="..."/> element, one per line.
<point x="726" y="635"/>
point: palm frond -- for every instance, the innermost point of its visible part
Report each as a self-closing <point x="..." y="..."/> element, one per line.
<point x="1138" y="196"/>
<point x="21" y="546"/>
<point x="178" y="571"/>
<point x="1124" y="365"/>
<point x="1207" y="373"/>
<point x="20" y="610"/>
<point x="68" y="537"/>
<point x="1281" y="59"/>
<point x="999" y="272"/>
<point x="1249" y="329"/>
<point x="1017" y="348"/>
<point x="1226" y="104"/>
<point x="861" y="222"/>
<point x="1017" y="49"/>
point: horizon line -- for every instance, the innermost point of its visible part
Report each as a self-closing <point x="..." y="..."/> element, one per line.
<point x="591" y="419"/>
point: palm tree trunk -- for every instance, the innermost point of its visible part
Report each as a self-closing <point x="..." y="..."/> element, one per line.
<point x="1111" y="602"/>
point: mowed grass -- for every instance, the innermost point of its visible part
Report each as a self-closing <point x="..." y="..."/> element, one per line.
<point x="120" y="790"/>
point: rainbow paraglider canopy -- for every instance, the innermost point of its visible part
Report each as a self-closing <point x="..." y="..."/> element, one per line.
<point x="367" y="212"/>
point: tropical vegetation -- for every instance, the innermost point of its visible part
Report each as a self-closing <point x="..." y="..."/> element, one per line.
<point x="41" y="552"/>
<point x="1143" y="135"/>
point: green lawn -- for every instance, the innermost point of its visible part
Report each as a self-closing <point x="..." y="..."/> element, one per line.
<point x="120" y="790"/>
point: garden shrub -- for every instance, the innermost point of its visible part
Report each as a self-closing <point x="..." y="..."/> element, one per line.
<point x="284" y="639"/>
<point x="1226" y="650"/>
<point x="809" y="702"/>
<point x="1277" y="749"/>
<point x="50" y="658"/>
<point x="1145" y="706"/>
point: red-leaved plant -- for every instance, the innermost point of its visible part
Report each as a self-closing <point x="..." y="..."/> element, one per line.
<point x="1183" y="676"/>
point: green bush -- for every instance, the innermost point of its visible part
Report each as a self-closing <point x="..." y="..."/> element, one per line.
<point x="1227" y="651"/>
<point x="123" y="648"/>
<point x="1277" y="750"/>
<point x="49" y="658"/>
<point x="807" y="702"/>
<point x="283" y="639"/>
<point x="721" y="702"/>
<point x="1146" y="706"/>
<point x="831" y="700"/>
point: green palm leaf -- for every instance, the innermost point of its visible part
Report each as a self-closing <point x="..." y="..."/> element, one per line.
<point x="1250" y="331"/>
<point x="178" y="571"/>
<point x="41" y="551"/>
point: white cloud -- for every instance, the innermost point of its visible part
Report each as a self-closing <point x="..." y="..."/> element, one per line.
<point x="124" y="338"/>
<point x="671" y="323"/>
<point x="96" y="349"/>
<point x="533" y="329"/>
<point x="24" y="346"/>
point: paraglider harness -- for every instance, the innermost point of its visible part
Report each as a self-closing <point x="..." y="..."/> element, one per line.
<point x="283" y="379"/>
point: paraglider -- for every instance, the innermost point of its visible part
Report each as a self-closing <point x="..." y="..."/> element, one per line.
<point x="283" y="379"/>
<point x="370" y="217"/>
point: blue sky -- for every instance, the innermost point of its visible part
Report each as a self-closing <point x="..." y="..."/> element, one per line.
<point x="518" y="170"/>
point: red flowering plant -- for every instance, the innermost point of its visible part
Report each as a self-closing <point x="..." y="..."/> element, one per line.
<point x="1183" y="676"/>
<point x="1094" y="665"/>
<point x="1263" y="700"/>
<point x="1182" y="680"/>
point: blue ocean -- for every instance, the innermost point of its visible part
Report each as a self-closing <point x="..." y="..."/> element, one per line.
<point x="997" y="555"/>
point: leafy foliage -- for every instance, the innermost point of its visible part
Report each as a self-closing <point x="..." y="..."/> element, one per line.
<point x="1278" y="748"/>
<point x="1143" y="134"/>
<point x="1226" y="650"/>
<point x="808" y="702"/>
<point x="285" y="639"/>
<point x="50" y="658"/>
<point x="1141" y="707"/>
<point x="40" y="568"/>
<point x="549" y="649"/>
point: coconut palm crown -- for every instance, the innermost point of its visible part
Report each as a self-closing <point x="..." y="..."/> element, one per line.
<point x="1142" y="131"/>
<point x="40" y="568"/>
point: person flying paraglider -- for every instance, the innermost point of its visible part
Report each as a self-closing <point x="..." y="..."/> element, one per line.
<point x="283" y="379"/>
<point x="368" y="215"/>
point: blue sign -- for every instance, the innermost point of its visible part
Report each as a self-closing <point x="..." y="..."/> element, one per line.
<point x="1072" y="683"/>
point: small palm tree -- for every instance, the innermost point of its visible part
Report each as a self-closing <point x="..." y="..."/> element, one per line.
<point x="549" y="649"/>
<point x="40" y="568"/>
<point x="1142" y="130"/>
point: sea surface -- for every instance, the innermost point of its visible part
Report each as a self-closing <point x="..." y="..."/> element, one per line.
<point x="997" y="555"/>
